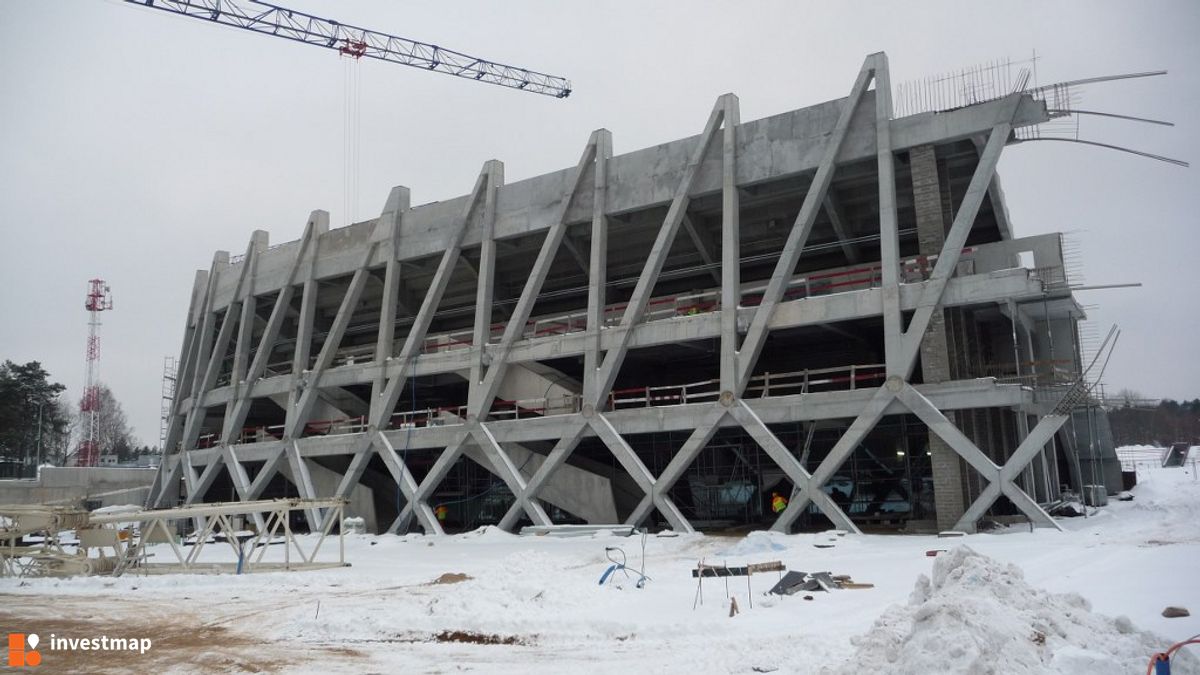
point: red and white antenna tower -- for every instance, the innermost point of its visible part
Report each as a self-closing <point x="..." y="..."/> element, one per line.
<point x="99" y="299"/>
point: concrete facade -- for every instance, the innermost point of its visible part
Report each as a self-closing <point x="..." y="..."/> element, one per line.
<point x="795" y="303"/>
<point x="85" y="487"/>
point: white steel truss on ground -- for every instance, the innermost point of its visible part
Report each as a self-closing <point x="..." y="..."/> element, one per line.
<point x="120" y="539"/>
<point x="742" y="331"/>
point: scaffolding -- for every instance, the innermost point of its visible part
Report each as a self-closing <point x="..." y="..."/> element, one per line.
<point x="170" y="368"/>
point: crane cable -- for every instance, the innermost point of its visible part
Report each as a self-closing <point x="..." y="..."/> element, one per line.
<point x="351" y="136"/>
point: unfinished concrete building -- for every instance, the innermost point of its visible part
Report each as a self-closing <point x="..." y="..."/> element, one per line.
<point x="827" y="304"/>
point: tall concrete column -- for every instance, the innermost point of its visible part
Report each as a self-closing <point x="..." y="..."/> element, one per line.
<point x="949" y="500"/>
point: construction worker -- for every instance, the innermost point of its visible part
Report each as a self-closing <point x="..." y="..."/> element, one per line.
<point x="440" y="511"/>
<point x="778" y="503"/>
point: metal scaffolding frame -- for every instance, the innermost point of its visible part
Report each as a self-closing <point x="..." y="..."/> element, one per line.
<point x="120" y="539"/>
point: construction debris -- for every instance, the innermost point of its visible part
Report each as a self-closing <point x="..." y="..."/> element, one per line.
<point x="796" y="582"/>
<point x="576" y="530"/>
<point x="789" y="584"/>
<point x="1176" y="612"/>
<point x="1069" y="507"/>
<point x="622" y="565"/>
<point x="1175" y="456"/>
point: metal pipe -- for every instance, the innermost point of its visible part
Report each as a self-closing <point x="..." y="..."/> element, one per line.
<point x="1076" y="111"/>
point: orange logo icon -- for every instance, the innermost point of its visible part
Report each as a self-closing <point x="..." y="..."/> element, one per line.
<point x="18" y="655"/>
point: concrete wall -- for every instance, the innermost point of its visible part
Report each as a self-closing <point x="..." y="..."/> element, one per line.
<point x="75" y="485"/>
<point x="361" y="503"/>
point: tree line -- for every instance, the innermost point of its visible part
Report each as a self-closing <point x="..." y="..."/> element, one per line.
<point x="39" y="424"/>
<point x="1168" y="422"/>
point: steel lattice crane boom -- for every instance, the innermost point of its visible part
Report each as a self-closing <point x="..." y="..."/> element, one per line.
<point x="289" y="24"/>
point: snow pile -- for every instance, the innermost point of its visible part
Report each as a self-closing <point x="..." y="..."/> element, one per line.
<point x="757" y="543"/>
<point x="1146" y="455"/>
<point x="979" y="616"/>
<point x="487" y="532"/>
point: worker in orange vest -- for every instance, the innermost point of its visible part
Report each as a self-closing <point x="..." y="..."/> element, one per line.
<point x="440" y="511"/>
<point x="778" y="503"/>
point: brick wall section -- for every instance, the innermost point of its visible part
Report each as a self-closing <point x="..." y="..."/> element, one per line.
<point x="936" y="350"/>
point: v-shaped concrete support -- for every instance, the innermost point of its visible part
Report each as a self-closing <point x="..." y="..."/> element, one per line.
<point x="419" y="498"/>
<point x="1001" y="479"/>
<point x="558" y="456"/>
<point x="683" y="458"/>
<point x="809" y="486"/>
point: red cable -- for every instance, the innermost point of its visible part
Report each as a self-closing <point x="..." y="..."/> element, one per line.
<point x="1170" y="652"/>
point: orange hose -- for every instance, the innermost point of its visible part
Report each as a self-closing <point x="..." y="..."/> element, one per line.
<point x="1170" y="652"/>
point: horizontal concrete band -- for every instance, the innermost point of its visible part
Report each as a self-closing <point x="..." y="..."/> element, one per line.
<point x="993" y="287"/>
<point x="956" y="395"/>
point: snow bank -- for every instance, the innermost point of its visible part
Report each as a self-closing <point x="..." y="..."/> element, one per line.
<point x="757" y="543"/>
<point x="486" y="532"/>
<point x="1133" y="455"/>
<point x="977" y="615"/>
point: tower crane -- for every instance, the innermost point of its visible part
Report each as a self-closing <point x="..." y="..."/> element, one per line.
<point x="347" y="40"/>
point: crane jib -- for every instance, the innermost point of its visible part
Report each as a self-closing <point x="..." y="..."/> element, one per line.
<point x="356" y="42"/>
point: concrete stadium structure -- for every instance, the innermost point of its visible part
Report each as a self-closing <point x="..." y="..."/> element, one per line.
<point x="829" y="304"/>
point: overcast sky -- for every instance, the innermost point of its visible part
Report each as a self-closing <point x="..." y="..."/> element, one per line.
<point x="134" y="144"/>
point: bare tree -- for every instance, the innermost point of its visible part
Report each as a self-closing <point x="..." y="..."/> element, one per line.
<point x="1128" y="397"/>
<point x="113" y="433"/>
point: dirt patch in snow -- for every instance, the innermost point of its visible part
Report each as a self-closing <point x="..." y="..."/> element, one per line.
<point x="977" y="615"/>
<point x="450" y="578"/>
<point x="469" y="637"/>
<point x="180" y="641"/>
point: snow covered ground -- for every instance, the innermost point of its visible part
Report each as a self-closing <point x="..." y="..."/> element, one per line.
<point x="1087" y="600"/>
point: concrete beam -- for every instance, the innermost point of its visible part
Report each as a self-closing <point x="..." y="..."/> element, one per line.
<point x="990" y="288"/>
<point x="956" y="395"/>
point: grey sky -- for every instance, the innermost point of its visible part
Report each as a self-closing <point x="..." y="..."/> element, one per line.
<point x="134" y="144"/>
